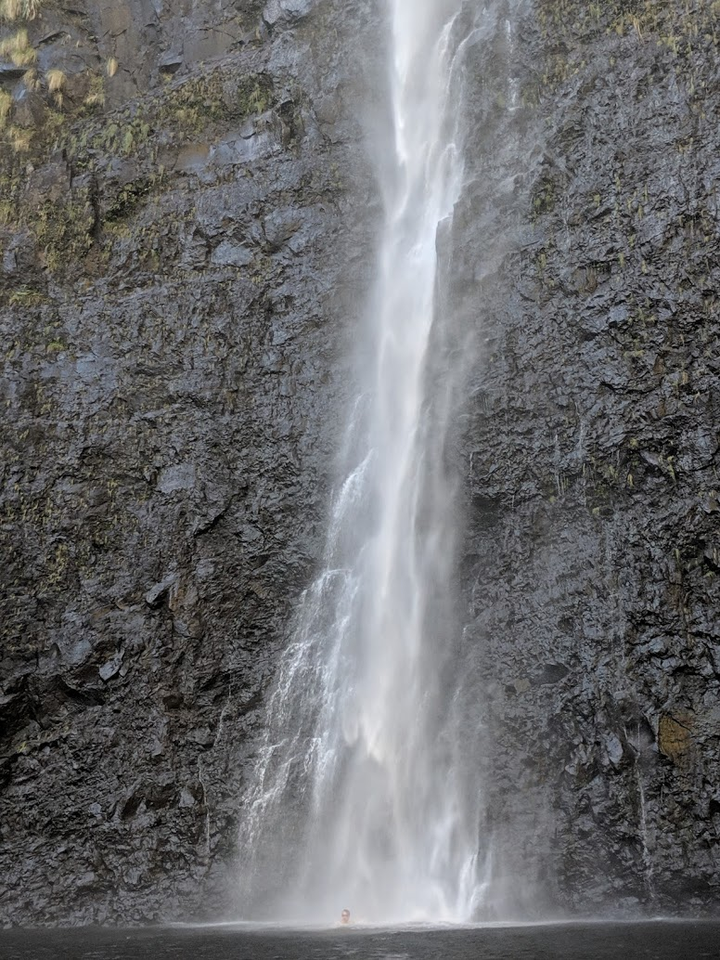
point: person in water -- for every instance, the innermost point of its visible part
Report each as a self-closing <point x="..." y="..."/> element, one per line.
<point x="345" y="916"/>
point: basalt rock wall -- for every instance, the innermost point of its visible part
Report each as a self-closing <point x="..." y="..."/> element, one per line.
<point x="186" y="228"/>
<point x="186" y="221"/>
<point x="585" y="264"/>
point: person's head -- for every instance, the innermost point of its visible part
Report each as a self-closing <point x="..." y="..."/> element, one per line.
<point x="345" y="916"/>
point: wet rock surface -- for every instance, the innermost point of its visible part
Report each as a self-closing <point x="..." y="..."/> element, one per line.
<point x="586" y="260"/>
<point x="185" y="249"/>
<point x="179" y="275"/>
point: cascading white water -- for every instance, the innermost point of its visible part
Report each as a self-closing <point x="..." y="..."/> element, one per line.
<point x="363" y="793"/>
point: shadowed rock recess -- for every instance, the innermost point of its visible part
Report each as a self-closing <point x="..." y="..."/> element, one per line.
<point x="186" y="219"/>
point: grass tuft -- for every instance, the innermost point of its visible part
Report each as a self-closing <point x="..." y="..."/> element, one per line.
<point x="20" y="138"/>
<point x="12" y="10"/>
<point x="6" y="102"/>
<point x="96" y="93"/>
<point x="55" y="80"/>
<point x="18" y="49"/>
<point x="31" y="79"/>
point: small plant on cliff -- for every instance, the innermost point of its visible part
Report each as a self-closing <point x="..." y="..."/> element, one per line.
<point x="96" y="93"/>
<point x="258" y="99"/>
<point x="20" y="138"/>
<point x="31" y="79"/>
<point x="18" y="49"/>
<point x="55" y="80"/>
<point x="26" y="297"/>
<point x="11" y="10"/>
<point x="5" y="107"/>
<point x="56" y="83"/>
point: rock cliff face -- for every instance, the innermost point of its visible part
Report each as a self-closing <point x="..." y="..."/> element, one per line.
<point x="186" y="221"/>
<point x="180" y="265"/>
<point x="586" y="261"/>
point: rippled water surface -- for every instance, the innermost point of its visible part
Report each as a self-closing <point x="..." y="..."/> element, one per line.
<point x="641" y="941"/>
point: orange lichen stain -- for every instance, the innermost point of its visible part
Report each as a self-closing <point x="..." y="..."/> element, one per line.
<point x="675" y="736"/>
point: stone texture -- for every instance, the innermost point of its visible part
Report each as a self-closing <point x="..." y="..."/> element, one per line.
<point x="185" y="251"/>
<point x="585" y="265"/>
<point x="177" y="282"/>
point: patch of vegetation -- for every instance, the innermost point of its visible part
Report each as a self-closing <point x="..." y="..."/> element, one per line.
<point x="200" y="100"/>
<point x="22" y="54"/>
<point x="676" y="26"/>
<point x="95" y="96"/>
<point x="12" y="10"/>
<point x="63" y="230"/>
<point x="545" y="197"/>
<point x="122" y="136"/>
<point x="6" y="102"/>
<point x="27" y="297"/>
<point x="18" y="50"/>
<point x="56" y="80"/>
<point x="183" y="110"/>
<point x="128" y="198"/>
<point x="66" y="230"/>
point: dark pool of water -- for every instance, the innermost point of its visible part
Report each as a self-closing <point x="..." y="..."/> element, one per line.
<point x="653" y="940"/>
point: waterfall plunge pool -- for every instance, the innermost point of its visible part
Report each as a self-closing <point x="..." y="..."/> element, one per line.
<point x="648" y="940"/>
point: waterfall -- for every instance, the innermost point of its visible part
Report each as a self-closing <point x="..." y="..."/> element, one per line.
<point x="364" y="793"/>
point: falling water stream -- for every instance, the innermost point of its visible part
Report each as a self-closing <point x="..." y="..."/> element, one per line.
<point x="363" y="794"/>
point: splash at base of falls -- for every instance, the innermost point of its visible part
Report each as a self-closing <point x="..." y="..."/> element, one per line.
<point x="365" y="790"/>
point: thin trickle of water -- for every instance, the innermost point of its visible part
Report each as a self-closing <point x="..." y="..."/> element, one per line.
<point x="648" y="870"/>
<point x="647" y="858"/>
<point x="513" y="84"/>
<point x="363" y="794"/>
